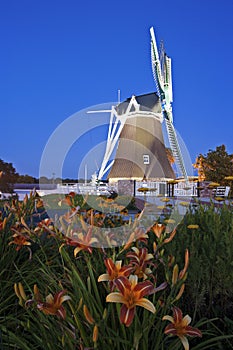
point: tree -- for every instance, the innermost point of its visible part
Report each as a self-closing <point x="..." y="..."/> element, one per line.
<point x="170" y="156"/>
<point x="26" y="179"/>
<point x="215" y="165"/>
<point x="8" y="177"/>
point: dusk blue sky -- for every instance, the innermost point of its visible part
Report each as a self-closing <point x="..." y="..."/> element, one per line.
<point x="59" y="57"/>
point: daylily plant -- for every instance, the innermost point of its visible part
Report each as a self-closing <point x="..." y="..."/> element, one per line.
<point x="180" y="327"/>
<point x="53" y="304"/>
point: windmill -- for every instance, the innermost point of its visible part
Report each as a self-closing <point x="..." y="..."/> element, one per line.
<point x="122" y="113"/>
<point x="161" y="67"/>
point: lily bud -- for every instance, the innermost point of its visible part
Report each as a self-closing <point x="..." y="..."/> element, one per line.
<point x="95" y="334"/>
<point x="186" y="263"/>
<point x="175" y="274"/>
<point x="87" y="315"/>
<point x="169" y="239"/>
<point x="104" y="314"/>
<point x="181" y="291"/>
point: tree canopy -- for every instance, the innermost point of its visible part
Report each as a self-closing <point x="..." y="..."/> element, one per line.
<point x="28" y="179"/>
<point x="8" y="177"/>
<point x="215" y="165"/>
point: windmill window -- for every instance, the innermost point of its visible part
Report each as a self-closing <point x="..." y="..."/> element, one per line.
<point x="146" y="159"/>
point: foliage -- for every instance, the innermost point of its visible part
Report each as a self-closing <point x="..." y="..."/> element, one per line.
<point x="100" y="203"/>
<point x="208" y="232"/>
<point x="170" y="156"/>
<point x="8" y="177"/>
<point x="26" y="179"/>
<point x="215" y="165"/>
<point x="58" y="293"/>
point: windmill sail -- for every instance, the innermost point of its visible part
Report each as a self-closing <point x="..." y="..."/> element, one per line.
<point x="161" y="68"/>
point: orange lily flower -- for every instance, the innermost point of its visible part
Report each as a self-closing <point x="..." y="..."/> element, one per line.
<point x="53" y="304"/>
<point x="69" y="199"/>
<point x="137" y="235"/>
<point x="158" y="229"/>
<point x="84" y="242"/>
<point x="81" y="241"/>
<point x="46" y="224"/>
<point x="180" y="326"/>
<point x="140" y="258"/>
<point x="20" y="240"/>
<point x="114" y="271"/>
<point x="131" y="294"/>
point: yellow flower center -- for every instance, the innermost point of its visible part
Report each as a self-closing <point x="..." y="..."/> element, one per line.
<point x="130" y="299"/>
<point x="180" y="328"/>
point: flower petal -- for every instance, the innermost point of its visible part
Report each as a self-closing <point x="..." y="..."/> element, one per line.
<point x="147" y="304"/>
<point x="77" y="250"/>
<point x="160" y="287"/>
<point x="186" y="320"/>
<point x="122" y="284"/>
<point x="177" y="314"/>
<point x="127" y="315"/>
<point x="115" y="297"/>
<point x="133" y="281"/>
<point x="118" y="264"/>
<point x="104" y="277"/>
<point x="144" y="288"/>
<point x="185" y="342"/>
<point x="80" y="237"/>
<point x="58" y="296"/>
<point x="193" y="332"/>
<point x="49" y="299"/>
<point x="126" y="270"/>
<point x="168" y="318"/>
<point x="65" y="298"/>
<point x="170" y="329"/>
<point x="93" y="240"/>
<point x="135" y="249"/>
<point x="133" y="256"/>
<point x="149" y="257"/>
<point x="109" y="265"/>
<point x="61" y="312"/>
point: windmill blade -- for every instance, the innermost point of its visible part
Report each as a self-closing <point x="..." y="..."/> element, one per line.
<point x="168" y="76"/>
<point x="177" y="154"/>
<point x="161" y="67"/>
<point x="156" y="66"/>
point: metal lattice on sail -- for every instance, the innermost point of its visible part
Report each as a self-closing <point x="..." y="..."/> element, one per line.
<point x="161" y="68"/>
